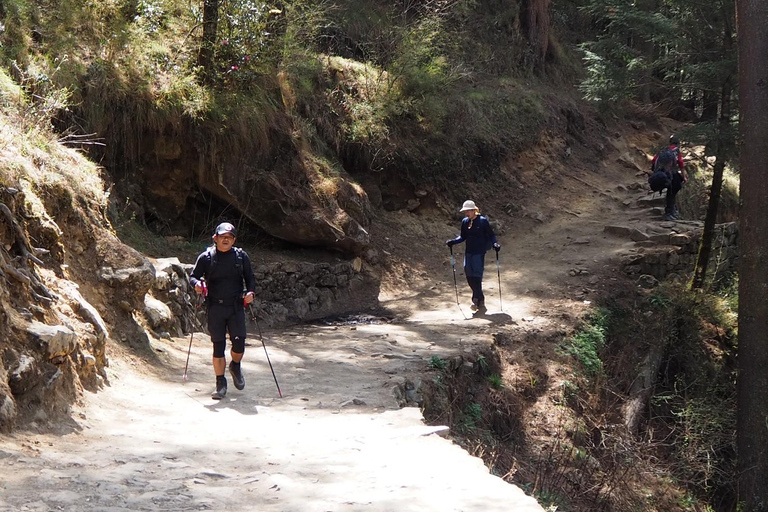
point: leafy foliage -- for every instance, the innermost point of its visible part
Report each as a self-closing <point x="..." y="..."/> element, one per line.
<point x="437" y="363"/>
<point x="587" y="343"/>
<point x="680" y="51"/>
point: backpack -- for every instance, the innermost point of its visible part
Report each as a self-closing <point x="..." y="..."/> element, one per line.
<point x="666" y="159"/>
<point x="488" y="239"/>
<point x="659" y="180"/>
<point x="238" y="259"/>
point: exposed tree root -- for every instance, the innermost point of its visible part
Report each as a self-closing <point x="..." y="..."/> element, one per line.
<point x="18" y="267"/>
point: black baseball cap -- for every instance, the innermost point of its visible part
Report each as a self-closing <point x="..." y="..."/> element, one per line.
<point x="225" y="228"/>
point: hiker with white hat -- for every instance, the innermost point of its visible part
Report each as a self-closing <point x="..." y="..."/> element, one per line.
<point x="477" y="232"/>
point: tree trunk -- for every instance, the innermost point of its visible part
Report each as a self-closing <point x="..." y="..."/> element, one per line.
<point x="752" y="415"/>
<point x="709" y="107"/>
<point x="705" y="247"/>
<point x="646" y="47"/>
<point x="208" y="45"/>
<point x="721" y="151"/>
<point x="536" y="21"/>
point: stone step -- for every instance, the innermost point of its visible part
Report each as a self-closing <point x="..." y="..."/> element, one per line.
<point x="651" y="200"/>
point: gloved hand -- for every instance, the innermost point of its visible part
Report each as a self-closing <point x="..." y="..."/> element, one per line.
<point x="497" y="247"/>
<point x="450" y="243"/>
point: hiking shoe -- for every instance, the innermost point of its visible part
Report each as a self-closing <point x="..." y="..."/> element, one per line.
<point x="669" y="217"/>
<point x="237" y="375"/>
<point x="221" y="388"/>
<point x="473" y="307"/>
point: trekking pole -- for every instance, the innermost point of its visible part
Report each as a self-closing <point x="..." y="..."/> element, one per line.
<point x="189" y="351"/>
<point x="498" y="273"/>
<point x="192" y="334"/>
<point x="253" y="317"/>
<point x="455" y="284"/>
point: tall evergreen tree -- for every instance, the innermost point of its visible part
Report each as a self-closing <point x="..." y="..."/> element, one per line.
<point x="722" y="146"/>
<point x="679" y="56"/>
<point x="752" y="416"/>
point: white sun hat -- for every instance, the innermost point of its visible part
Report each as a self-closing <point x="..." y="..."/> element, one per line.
<point x="468" y="205"/>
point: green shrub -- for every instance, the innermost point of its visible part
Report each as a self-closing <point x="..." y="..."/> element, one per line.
<point x="587" y="343"/>
<point x="436" y="363"/>
<point x="495" y="381"/>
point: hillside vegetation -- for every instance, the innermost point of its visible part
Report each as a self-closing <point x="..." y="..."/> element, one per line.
<point x="311" y="113"/>
<point x="128" y="126"/>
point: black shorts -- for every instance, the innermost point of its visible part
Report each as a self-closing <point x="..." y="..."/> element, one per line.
<point x="226" y="318"/>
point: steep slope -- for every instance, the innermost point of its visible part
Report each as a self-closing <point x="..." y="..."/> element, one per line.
<point x="62" y="270"/>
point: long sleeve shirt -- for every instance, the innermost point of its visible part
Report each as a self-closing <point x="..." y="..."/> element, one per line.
<point x="226" y="277"/>
<point x="477" y="233"/>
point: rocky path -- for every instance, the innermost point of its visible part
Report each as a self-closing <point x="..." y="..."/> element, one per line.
<point x="338" y="439"/>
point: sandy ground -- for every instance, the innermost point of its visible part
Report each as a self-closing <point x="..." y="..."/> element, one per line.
<point x="337" y="440"/>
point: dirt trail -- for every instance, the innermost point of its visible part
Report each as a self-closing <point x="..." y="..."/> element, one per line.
<point x="337" y="441"/>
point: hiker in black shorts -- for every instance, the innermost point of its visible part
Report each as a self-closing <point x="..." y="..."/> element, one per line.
<point x="477" y="232"/>
<point x="225" y="268"/>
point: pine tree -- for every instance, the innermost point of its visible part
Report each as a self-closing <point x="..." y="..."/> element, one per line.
<point x="752" y="415"/>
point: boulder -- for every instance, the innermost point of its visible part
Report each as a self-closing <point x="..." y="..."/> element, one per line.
<point x="24" y="375"/>
<point x="58" y="340"/>
<point x="651" y="200"/>
<point x="620" y="231"/>
<point x="300" y="307"/>
<point x="682" y="239"/>
<point x="638" y="236"/>
<point x="133" y="282"/>
<point x="335" y="219"/>
<point x="84" y="308"/>
<point x="647" y="281"/>
<point x="7" y="410"/>
<point x="167" y="265"/>
<point x="157" y="312"/>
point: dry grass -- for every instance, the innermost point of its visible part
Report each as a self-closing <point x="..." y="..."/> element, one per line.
<point x="31" y="159"/>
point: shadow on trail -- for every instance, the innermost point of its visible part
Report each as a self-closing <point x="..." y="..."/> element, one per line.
<point x="243" y="404"/>
<point x="494" y="318"/>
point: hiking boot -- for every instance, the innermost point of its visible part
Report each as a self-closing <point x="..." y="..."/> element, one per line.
<point x="237" y="375"/>
<point x="669" y="217"/>
<point x="473" y="307"/>
<point x="221" y="388"/>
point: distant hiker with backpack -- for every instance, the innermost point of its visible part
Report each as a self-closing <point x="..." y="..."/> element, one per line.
<point x="223" y="269"/>
<point x="668" y="171"/>
<point x="477" y="232"/>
